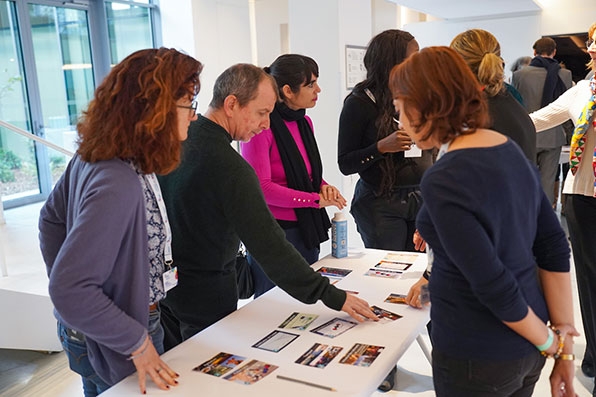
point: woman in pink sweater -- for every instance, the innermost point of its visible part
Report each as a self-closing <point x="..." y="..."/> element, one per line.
<point x="287" y="161"/>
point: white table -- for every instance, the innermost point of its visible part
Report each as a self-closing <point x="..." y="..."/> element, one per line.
<point x="237" y="332"/>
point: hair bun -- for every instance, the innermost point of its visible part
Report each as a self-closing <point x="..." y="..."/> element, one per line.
<point x="267" y="69"/>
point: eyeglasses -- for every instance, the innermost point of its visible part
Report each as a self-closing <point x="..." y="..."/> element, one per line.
<point x="589" y="43"/>
<point x="193" y="106"/>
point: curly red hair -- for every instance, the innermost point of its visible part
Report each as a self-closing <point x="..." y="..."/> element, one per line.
<point x="134" y="115"/>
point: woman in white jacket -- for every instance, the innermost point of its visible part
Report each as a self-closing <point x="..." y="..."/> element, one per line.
<point x="578" y="104"/>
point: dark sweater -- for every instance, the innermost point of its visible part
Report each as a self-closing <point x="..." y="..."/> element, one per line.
<point x="214" y="200"/>
<point x="357" y="146"/>
<point x="510" y="118"/>
<point x="489" y="224"/>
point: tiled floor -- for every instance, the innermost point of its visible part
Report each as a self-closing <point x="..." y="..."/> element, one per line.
<point x="26" y="373"/>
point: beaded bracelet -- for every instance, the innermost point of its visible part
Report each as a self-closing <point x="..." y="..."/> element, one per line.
<point x="560" y="346"/>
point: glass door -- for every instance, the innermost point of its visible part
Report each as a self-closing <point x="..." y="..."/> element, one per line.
<point x="18" y="166"/>
<point x="57" y="68"/>
<point x="64" y="73"/>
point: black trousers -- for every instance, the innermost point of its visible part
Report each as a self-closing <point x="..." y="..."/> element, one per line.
<point x="455" y="377"/>
<point x="580" y="212"/>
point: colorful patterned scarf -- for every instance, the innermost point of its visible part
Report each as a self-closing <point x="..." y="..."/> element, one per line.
<point x="578" y="140"/>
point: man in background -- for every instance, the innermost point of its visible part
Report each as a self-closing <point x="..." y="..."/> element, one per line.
<point x="541" y="83"/>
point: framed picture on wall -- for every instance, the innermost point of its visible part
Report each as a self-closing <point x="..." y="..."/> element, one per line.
<point x="355" y="70"/>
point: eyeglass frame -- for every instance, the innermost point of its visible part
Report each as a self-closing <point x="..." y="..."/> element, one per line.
<point x="193" y="106"/>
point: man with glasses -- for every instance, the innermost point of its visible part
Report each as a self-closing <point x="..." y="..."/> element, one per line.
<point x="214" y="200"/>
<point x="539" y="84"/>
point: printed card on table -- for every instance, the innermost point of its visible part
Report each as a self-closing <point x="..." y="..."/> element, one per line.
<point x="383" y="273"/>
<point x="319" y="355"/>
<point x="396" y="298"/>
<point x="385" y="316"/>
<point x="299" y="321"/>
<point x="401" y="257"/>
<point x="401" y="266"/>
<point x="251" y="373"/>
<point x="275" y="341"/>
<point x="335" y="327"/>
<point x="361" y="355"/>
<point x="219" y="364"/>
<point x="333" y="272"/>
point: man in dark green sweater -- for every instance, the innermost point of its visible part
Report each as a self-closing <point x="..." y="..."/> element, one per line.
<point x="214" y="200"/>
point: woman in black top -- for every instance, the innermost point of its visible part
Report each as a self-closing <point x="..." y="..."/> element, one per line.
<point x="387" y="197"/>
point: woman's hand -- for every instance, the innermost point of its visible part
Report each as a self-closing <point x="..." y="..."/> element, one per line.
<point x="357" y="308"/>
<point x="561" y="379"/>
<point x="419" y="243"/>
<point x="148" y="362"/>
<point x="397" y="141"/>
<point x="413" y="297"/>
<point x="330" y="195"/>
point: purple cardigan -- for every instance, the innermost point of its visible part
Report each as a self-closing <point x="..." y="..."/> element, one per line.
<point x="93" y="238"/>
<point x="262" y="154"/>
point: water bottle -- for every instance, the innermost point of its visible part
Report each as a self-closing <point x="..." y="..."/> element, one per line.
<point x="339" y="235"/>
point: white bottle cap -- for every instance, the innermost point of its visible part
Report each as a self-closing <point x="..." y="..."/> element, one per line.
<point x="339" y="216"/>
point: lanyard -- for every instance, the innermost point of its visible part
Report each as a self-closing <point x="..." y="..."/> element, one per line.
<point x="154" y="184"/>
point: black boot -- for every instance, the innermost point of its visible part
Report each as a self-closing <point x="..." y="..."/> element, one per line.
<point x="389" y="381"/>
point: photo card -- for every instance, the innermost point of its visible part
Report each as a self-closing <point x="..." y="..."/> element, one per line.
<point x="396" y="298"/>
<point x="275" y="341"/>
<point x="319" y="355"/>
<point x="299" y="321"/>
<point x="333" y="272"/>
<point x="405" y="257"/>
<point x="383" y="273"/>
<point x="361" y="355"/>
<point x="390" y="265"/>
<point x="251" y="373"/>
<point x="334" y="327"/>
<point x="219" y="364"/>
<point x="385" y="316"/>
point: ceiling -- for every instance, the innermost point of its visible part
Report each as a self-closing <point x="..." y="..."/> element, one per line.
<point x="471" y="9"/>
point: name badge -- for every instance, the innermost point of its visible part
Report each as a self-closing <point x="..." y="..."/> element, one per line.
<point x="414" y="151"/>
<point x="170" y="279"/>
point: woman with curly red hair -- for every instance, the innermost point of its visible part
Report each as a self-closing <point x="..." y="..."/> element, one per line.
<point x="104" y="232"/>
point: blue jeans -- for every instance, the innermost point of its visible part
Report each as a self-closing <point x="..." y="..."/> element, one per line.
<point x="75" y="348"/>
<point x="486" y="378"/>
<point x="386" y="222"/>
<point x="262" y="283"/>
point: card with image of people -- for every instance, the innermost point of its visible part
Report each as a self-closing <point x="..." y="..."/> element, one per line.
<point x="362" y="355"/>
<point x="319" y="355"/>
<point x="219" y="364"/>
<point x="251" y="373"/>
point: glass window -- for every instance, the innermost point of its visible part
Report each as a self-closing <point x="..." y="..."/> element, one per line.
<point x="18" y="167"/>
<point x="129" y="29"/>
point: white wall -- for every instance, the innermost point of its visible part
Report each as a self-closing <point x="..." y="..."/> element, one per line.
<point x="516" y="35"/>
<point x="270" y="16"/>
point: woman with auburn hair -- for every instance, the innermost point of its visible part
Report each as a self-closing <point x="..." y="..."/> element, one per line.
<point x="492" y="231"/>
<point x="578" y="104"/>
<point x="387" y="196"/>
<point x="104" y="232"/>
<point x="482" y="52"/>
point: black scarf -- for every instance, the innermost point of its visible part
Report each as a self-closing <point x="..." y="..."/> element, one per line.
<point x="313" y="222"/>
<point x="553" y="85"/>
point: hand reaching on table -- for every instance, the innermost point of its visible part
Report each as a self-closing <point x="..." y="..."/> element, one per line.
<point x="357" y="308"/>
<point x="413" y="297"/>
<point x="148" y="362"/>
